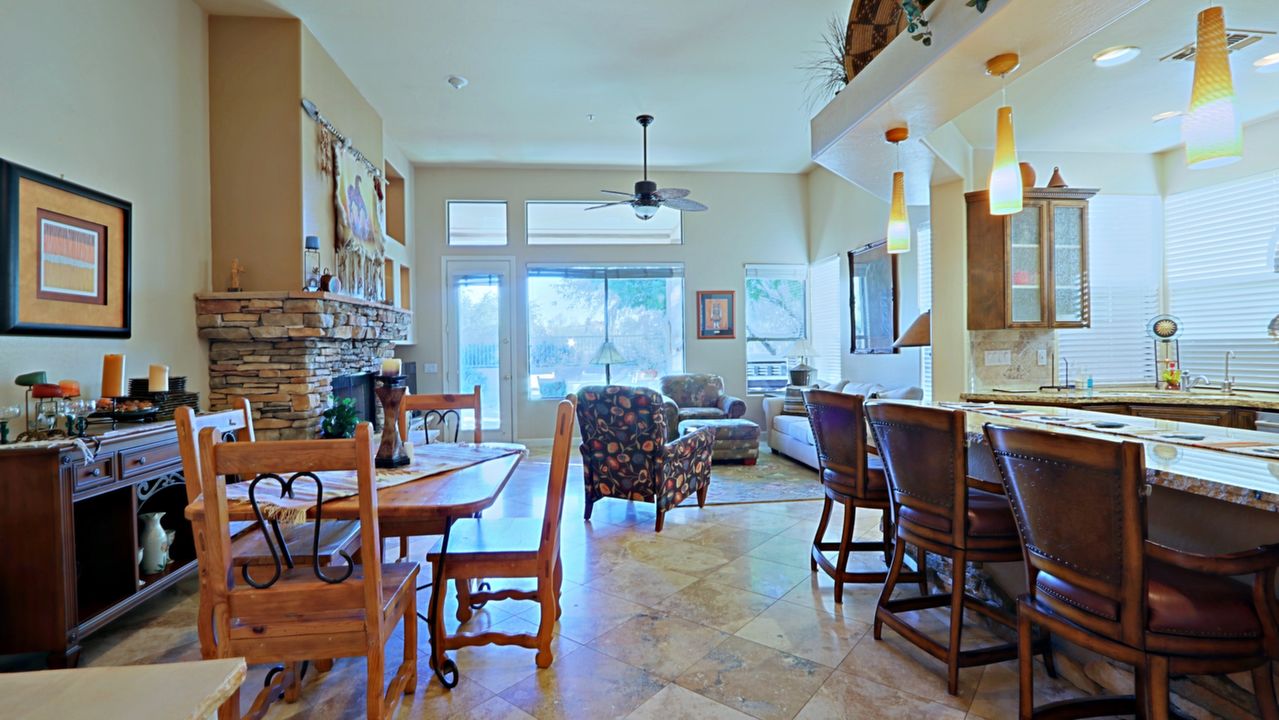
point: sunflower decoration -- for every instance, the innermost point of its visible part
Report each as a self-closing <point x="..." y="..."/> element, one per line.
<point x="1163" y="327"/>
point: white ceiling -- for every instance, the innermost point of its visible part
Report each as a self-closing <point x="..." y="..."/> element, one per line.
<point x="1070" y="105"/>
<point x="720" y="76"/>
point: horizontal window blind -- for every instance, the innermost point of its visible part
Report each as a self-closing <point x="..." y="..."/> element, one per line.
<point x="924" y="271"/>
<point x="1222" y="282"/>
<point x="1123" y="274"/>
<point x="826" y="319"/>
<point x="613" y="272"/>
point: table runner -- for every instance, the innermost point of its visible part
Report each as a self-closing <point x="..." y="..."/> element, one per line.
<point x="427" y="460"/>
<point x="1132" y="428"/>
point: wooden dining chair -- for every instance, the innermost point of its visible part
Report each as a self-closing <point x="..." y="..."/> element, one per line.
<point x="304" y="611"/>
<point x="1096" y="579"/>
<point x="337" y="537"/>
<point x="511" y="548"/>
<point x="939" y="509"/>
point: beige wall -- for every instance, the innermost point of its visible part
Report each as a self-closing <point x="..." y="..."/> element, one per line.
<point x="140" y="68"/>
<point x="404" y="254"/>
<point x="754" y="218"/>
<point x="842" y="217"/>
<point x="254" y="86"/>
<point x="1260" y="154"/>
<point x="950" y="291"/>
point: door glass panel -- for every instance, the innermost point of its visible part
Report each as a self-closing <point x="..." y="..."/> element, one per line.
<point x="478" y="299"/>
<point x="1025" y="261"/>
<point x="1068" y="269"/>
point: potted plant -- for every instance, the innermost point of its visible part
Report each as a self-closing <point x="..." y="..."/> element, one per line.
<point x="340" y="419"/>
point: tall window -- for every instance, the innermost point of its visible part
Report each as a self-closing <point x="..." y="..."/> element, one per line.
<point x="476" y="222"/>
<point x="825" y="313"/>
<point x="776" y="317"/>
<point x="1222" y="282"/>
<point x="924" y="271"/>
<point x="1124" y="278"/>
<point x="570" y="223"/>
<point x="573" y="308"/>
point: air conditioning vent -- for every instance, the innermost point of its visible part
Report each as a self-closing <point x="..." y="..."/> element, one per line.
<point x="1235" y="40"/>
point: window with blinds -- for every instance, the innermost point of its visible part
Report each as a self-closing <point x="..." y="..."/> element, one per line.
<point x="776" y="318"/>
<point x="1221" y="278"/>
<point x="826" y="323"/>
<point x="1124" y="277"/>
<point x="924" y="272"/>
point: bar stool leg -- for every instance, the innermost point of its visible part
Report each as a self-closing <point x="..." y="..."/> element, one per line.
<point x="821" y="532"/>
<point x="921" y="563"/>
<point x="1157" y="686"/>
<point x="1025" y="667"/>
<point x="894" y="572"/>
<point x="845" y="542"/>
<point x="1263" y="684"/>
<point x="958" y="566"/>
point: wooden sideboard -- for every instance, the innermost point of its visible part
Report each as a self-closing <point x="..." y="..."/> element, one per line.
<point x="69" y="530"/>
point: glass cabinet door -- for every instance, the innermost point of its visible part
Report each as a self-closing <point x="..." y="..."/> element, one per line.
<point x="1026" y="266"/>
<point x="1070" y="263"/>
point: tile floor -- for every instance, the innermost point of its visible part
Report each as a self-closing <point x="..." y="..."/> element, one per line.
<point x="716" y="617"/>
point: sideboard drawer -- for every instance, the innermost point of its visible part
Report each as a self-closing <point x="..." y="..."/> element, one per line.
<point x="95" y="473"/>
<point x="140" y="460"/>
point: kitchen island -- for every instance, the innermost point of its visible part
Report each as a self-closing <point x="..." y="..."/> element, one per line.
<point x="1207" y="406"/>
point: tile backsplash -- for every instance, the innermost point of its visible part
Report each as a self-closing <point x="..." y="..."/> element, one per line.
<point x="1014" y="356"/>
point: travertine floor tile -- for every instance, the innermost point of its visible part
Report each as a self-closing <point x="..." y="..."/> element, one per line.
<point x="676" y="703"/>
<point x="757" y="680"/>
<point x="722" y="607"/>
<point x="583" y="684"/>
<point x="805" y="631"/>
<point x="761" y="576"/>
<point x="846" y="696"/>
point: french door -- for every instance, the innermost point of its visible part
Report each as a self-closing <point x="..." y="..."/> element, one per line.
<point x="477" y="339"/>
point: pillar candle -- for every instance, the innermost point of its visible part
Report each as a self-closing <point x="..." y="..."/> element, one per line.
<point x="392" y="366"/>
<point x="113" y="376"/>
<point x="70" y="388"/>
<point x="158" y="379"/>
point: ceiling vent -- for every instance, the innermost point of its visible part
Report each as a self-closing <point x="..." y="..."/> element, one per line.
<point x="1235" y="40"/>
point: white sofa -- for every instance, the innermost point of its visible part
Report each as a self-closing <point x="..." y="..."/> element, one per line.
<point x="792" y="436"/>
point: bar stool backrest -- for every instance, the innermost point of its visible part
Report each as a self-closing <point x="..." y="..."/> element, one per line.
<point x="925" y="453"/>
<point x="839" y="431"/>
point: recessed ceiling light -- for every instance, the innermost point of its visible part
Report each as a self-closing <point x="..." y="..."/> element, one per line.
<point x="1117" y="55"/>
<point x="1168" y="115"/>
<point x="1267" y="64"/>
<point x="458" y="82"/>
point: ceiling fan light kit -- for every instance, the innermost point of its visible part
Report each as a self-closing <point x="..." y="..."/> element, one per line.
<point x="647" y="198"/>
<point x="898" y="221"/>
<point x="1005" y="174"/>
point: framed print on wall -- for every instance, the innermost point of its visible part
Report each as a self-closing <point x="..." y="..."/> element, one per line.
<point x="715" y="315"/>
<point x="64" y="257"/>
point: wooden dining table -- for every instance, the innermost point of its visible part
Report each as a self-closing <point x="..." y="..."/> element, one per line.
<point x="425" y="506"/>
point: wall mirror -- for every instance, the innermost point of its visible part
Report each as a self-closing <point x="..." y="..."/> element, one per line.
<point x="872" y="298"/>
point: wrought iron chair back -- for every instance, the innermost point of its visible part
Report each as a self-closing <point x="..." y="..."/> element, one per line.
<point x="442" y="407"/>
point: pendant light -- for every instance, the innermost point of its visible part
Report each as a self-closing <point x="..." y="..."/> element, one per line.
<point x="1211" y="128"/>
<point x="1005" y="174"/>
<point x="898" y="221"/>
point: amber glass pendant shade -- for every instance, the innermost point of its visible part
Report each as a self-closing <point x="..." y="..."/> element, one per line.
<point x="1005" y="175"/>
<point x="898" y="221"/>
<point x="1211" y="127"/>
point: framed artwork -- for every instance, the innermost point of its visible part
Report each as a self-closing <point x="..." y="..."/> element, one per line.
<point x="715" y="315"/>
<point x="64" y="257"/>
<point x="872" y="299"/>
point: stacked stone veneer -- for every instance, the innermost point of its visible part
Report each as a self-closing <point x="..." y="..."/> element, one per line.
<point x="282" y="349"/>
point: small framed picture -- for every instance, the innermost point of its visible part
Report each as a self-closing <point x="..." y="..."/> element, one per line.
<point x="715" y="315"/>
<point x="64" y="257"/>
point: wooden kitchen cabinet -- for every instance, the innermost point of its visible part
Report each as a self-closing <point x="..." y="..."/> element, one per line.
<point x="1203" y="415"/>
<point x="1029" y="270"/>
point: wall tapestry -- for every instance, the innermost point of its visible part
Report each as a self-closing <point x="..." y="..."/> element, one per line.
<point x="361" y="216"/>
<point x="64" y="257"/>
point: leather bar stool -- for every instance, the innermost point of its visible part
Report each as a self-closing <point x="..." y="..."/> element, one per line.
<point x="854" y="480"/>
<point x="1098" y="581"/>
<point x="940" y="509"/>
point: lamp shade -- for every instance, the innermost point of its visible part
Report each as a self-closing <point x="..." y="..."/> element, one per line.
<point x="919" y="334"/>
<point x="608" y="354"/>
<point x="1211" y="128"/>
<point x="898" y="221"/>
<point x="802" y="348"/>
<point x="1005" y="174"/>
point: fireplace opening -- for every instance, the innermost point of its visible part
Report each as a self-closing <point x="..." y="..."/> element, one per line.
<point x="358" y="387"/>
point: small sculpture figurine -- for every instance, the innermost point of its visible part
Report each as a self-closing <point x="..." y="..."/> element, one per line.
<point x="236" y="269"/>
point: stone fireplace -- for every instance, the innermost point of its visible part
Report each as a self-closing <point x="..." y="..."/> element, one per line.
<point x="282" y="351"/>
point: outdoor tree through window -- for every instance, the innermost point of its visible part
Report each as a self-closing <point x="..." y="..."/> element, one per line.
<point x="776" y="317"/>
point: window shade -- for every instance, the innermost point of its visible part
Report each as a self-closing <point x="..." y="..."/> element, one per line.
<point x="1123" y="273"/>
<point x="1221" y="279"/>
<point x="924" y="271"/>
<point x="613" y="272"/>
<point x="826" y="321"/>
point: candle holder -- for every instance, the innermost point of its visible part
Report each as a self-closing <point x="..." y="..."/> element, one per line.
<point x="7" y="413"/>
<point x="390" y="391"/>
<point x="311" y="263"/>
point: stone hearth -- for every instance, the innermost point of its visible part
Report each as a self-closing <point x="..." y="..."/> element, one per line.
<point x="281" y="350"/>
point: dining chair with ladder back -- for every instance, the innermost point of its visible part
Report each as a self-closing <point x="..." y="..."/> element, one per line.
<point x="1097" y="580"/>
<point x="853" y="478"/>
<point x="338" y="538"/>
<point x="942" y="510"/>
<point x="512" y="548"/>
<point x="280" y="614"/>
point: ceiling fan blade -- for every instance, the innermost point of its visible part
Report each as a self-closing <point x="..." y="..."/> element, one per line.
<point x="672" y="193"/>
<point x="618" y="192"/>
<point x="609" y="204"/>
<point x="684" y="205"/>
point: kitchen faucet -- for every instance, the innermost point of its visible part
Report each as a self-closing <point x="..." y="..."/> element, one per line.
<point x="1228" y="382"/>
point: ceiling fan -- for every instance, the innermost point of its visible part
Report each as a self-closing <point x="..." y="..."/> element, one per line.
<point x="647" y="198"/>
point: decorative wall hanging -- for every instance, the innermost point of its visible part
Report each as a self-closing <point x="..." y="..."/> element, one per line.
<point x="872" y="299"/>
<point x="360" y="216"/>
<point x="715" y="318"/>
<point x="64" y="257"/>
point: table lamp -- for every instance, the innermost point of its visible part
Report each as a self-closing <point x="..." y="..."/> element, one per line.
<point x="919" y="334"/>
<point x="608" y="355"/>
<point x="802" y="374"/>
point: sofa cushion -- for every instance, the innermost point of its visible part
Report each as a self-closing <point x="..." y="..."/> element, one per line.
<point x="865" y="389"/>
<point x="909" y="392"/>
<point x="795" y="426"/>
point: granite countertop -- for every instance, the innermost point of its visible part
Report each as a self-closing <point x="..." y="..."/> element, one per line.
<point x="1132" y="396"/>
<point x="1228" y="476"/>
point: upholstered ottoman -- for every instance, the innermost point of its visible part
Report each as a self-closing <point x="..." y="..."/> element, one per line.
<point x="735" y="439"/>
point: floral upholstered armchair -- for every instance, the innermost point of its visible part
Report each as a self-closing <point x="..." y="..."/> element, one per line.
<point x="698" y="396"/>
<point x="625" y="453"/>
